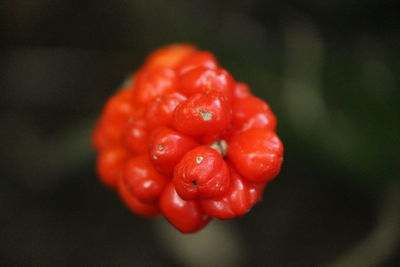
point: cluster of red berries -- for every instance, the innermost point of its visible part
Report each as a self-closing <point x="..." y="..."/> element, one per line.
<point x="187" y="141"/>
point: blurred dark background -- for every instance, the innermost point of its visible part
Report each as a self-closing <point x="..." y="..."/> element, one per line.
<point x="329" y="69"/>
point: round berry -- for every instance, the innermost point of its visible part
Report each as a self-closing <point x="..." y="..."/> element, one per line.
<point x="251" y="112"/>
<point x="159" y="112"/>
<point x="257" y="154"/>
<point x="142" y="179"/>
<point x="110" y="163"/>
<point x="203" y="114"/>
<point x="107" y="134"/>
<point x="120" y="106"/>
<point x="202" y="173"/>
<point x="205" y="80"/>
<point x="169" y="56"/>
<point x="147" y="209"/>
<point x="241" y="90"/>
<point x="240" y="197"/>
<point x="167" y="149"/>
<point x="135" y="136"/>
<point x="185" y="215"/>
<point x="197" y="59"/>
<point x="152" y="83"/>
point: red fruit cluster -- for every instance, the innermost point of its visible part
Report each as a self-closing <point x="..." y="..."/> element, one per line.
<point x="187" y="141"/>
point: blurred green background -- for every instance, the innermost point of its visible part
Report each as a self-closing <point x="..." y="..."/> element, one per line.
<point x="329" y="69"/>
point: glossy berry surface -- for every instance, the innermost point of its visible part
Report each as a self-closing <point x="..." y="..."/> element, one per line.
<point x="186" y="141"/>
<point x="202" y="173"/>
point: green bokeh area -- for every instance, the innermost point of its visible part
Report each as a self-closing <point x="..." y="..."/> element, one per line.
<point x="329" y="70"/>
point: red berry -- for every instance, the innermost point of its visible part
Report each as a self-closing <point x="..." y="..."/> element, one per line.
<point x="251" y="112"/>
<point x="169" y="56"/>
<point x="197" y="59"/>
<point x="167" y="149"/>
<point x="159" y="112"/>
<point x="120" y="106"/>
<point x="147" y="209"/>
<point x="106" y="134"/>
<point x="202" y="173"/>
<point x="142" y="180"/>
<point x="205" y="80"/>
<point x="185" y="215"/>
<point x="110" y="163"/>
<point x="203" y="114"/>
<point x="135" y="136"/>
<point x="152" y="83"/>
<point x="257" y="154"/>
<point x="116" y="113"/>
<point x="241" y="90"/>
<point x="236" y="202"/>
